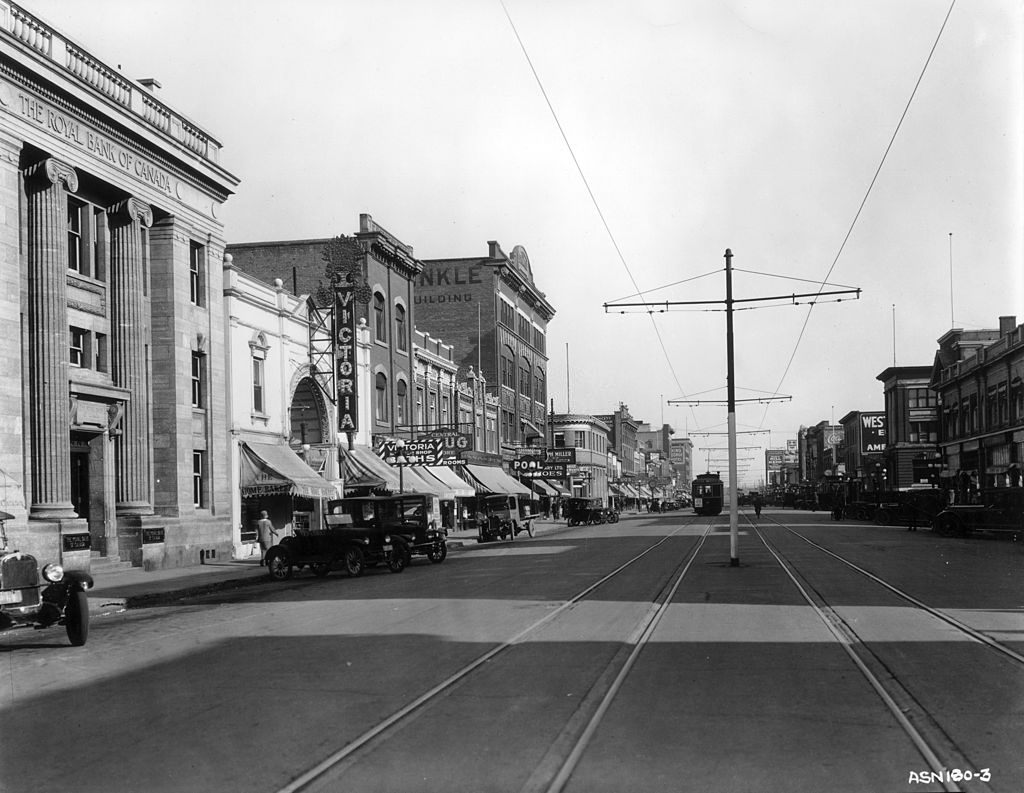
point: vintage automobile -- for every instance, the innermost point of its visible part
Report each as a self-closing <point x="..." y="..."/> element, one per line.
<point x="415" y="517"/>
<point x="999" y="509"/>
<point x="503" y="515"/>
<point x="339" y="544"/>
<point x="582" y="511"/>
<point x="42" y="597"/>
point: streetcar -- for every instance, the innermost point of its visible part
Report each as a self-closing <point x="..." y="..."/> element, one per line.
<point x="707" y="494"/>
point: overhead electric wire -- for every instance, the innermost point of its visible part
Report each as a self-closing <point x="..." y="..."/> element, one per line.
<point x="864" y="201"/>
<point x="593" y="198"/>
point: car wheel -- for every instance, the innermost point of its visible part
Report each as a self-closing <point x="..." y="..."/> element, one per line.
<point x="399" y="558"/>
<point x="320" y="569"/>
<point x="76" y="618"/>
<point x="883" y="517"/>
<point x="354" y="562"/>
<point x="279" y="566"/>
<point x="530" y="529"/>
<point x="438" y="552"/>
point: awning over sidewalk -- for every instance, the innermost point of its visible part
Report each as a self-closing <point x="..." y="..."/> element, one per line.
<point x="360" y="467"/>
<point x="558" y="487"/>
<point x="452" y="485"/>
<point x="273" y="469"/>
<point x="629" y="491"/>
<point x="543" y="487"/>
<point x="491" y="479"/>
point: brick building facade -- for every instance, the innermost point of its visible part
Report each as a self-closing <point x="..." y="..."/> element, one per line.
<point x="490" y="310"/>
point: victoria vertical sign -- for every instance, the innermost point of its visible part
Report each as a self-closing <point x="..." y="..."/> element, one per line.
<point x="345" y="328"/>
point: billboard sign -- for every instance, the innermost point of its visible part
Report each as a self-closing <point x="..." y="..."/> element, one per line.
<point x="873" y="435"/>
<point x="345" y="356"/>
<point x="774" y="458"/>
<point x="438" y="448"/>
<point x="534" y="468"/>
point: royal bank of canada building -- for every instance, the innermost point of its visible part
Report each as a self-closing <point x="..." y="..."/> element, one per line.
<point x="113" y="394"/>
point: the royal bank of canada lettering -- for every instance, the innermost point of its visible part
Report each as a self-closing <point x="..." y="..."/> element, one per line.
<point x="345" y="354"/>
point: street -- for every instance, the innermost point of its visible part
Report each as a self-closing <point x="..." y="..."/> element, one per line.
<point x="614" y="657"/>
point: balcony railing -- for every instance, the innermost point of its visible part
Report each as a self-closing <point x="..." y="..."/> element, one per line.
<point x="33" y="33"/>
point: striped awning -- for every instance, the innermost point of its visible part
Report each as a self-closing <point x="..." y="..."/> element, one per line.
<point x="361" y="468"/>
<point x="542" y="487"/>
<point x="491" y="479"/>
<point x="272" y="469"/>
<point x="450" y="484"/>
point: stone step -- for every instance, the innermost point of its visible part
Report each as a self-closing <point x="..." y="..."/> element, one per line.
<point x="106" y="565"/>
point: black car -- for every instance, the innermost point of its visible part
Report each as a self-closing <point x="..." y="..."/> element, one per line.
<point x="340" y="544"/>
<point x="43" y="597"/>
<point x="413" y="517"/>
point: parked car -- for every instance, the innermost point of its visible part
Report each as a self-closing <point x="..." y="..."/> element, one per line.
<point x="415" y="517"/>
<point x="999" y="509"/>
<point x="581" y="511"/>
<point x="339" y="544"/>
<point x="43" y="597"/>
<point x="503" y="515"/>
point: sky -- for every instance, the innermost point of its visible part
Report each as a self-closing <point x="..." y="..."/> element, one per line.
<point x="626" y="146"/>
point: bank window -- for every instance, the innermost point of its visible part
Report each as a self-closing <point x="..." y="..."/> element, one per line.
<point x="100" y="353"/>
<point x="198" y="381"/>
<point x="381" y="397"/>
<point x="401" y="336"/>
<point x="380" y="325"/>
<point x="921" y="398"/>
<point x="401" y="399"/>
<point x="198" y="479"/>
<point x="196" y="281"/>
<point x="79" y="340"/>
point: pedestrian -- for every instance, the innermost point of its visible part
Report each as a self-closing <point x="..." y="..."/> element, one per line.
<point x="757" y="504"/>
<point x="267" y="533"/>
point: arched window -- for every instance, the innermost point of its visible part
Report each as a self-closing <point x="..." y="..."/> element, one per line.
<point x="380" y="325"/>
<point x="381" y="397"/>
<point x="401" y="337"/>
<point x="401" y="400"/>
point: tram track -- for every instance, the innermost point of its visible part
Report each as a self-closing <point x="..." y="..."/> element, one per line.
<point x="936" y="746"/>
<point x="556" y="768"/>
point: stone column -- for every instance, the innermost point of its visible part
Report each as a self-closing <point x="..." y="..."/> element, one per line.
<point x="47" y="184"/>
<point x="128" y="353"/>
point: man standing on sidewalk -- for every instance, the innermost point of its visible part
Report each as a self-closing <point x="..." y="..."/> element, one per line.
<point x="267" y="533"/>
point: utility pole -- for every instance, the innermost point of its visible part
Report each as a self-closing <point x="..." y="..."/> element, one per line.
<point x="734" y="560"/>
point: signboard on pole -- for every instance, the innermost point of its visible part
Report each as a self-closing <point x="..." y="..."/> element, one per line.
<point x="534" y="468"/>
<point x="438" y="448"/>
<point x="345" y="354"/>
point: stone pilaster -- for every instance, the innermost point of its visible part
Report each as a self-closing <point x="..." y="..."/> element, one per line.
<point x="128" y="353"/>
<point x="47" y="184"/>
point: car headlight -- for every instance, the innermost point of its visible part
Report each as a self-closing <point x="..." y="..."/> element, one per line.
<point x="387" y="538"/>
<point x="53" y="573"/>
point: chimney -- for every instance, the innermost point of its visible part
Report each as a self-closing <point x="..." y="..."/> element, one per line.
<point x="1007" y="325"/>
<point x="150" y="84"/>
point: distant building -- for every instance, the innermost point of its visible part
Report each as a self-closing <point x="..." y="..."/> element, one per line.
<point x="490" y="309"/>
<point x="911" y="424"/>
<point x="115" y="433"/>
<point x="822" y="443"/>
<point x="979" y="379"/>
<point x="589" y="435"/>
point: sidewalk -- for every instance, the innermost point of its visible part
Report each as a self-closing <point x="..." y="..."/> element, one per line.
<point x="138" y="588"/>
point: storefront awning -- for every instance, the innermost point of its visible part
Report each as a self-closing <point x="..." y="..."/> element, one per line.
<point x="558" y="487"/>
<point x="273" y="469"/>
<point x="542" y="487"/>
<point x="644" y="492"/>
<point x="360" y="467"/>
<point x="491" y="479"/>
<point x="452" y="485"/>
